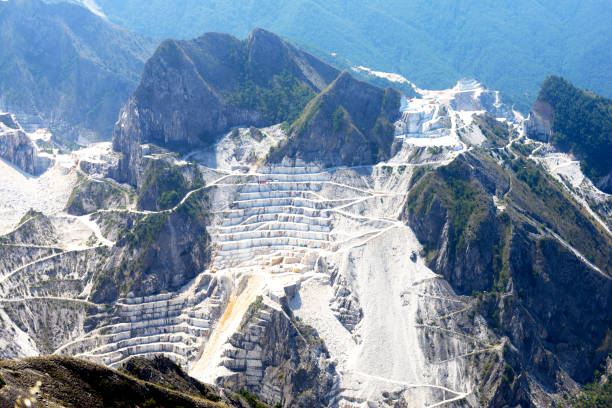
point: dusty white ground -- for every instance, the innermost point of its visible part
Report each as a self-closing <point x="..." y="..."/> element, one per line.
<point x="386" y="75"/>
<point x="239" y="149"/>
<point x="566" y="169"/>
<point x="20" y="191"/>
<point x="49" y="192"/>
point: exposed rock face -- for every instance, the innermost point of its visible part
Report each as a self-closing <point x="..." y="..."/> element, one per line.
<point x="16" y="147"/>
<point x="539" y="124"/>
<point x="192" y="91"/>
<point x="280" y="359"/>
<point x="66" y="68"/>
<point x="345" y="303"/>
<point x="568" y="318"/>
<point x="156" y="253"/>
<point x="431" y="213"/>
<point x="89" y="196"/>
<point x="527" y="272"/>
<point x="448" y="274"/>
<point x="581" y="123"/>
<point x="470" y="95"/>
<point x="349" y="123"/>
<point x="8" y="121"/>
<point x="150" y="253"/>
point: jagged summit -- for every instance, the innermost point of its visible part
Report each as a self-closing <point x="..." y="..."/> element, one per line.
<point x="453" y="271"/>
<point x="348" y="123"/>
<point x="192" y="91"/>
<point x="292" y="232"/>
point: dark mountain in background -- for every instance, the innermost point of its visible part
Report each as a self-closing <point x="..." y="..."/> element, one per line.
<point x="192" y="91"/>
<point x="65" y="68"/>
<point x="508" y="46"/>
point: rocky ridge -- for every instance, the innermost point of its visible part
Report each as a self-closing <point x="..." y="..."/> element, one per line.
<point x="349" y="123"/>
<point x="193" y="91"/>
<point x="65" y="381"/>
<point x="17" y="148"/>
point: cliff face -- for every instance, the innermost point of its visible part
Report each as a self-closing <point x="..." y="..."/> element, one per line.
<point x="192" y="91"/>
<point x="454" y="218"/>
<point x="156" y="253"/>
<point x="279" y="358"/>
<point x="16" y="147"/>
<point x="538" y="125"/>
<point x="515" y="256"/>
<point x="349" y="123"/>
<point x="66" y="68"/>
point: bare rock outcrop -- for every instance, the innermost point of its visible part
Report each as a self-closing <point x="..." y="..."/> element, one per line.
<point x="350" y="123"/>
<point x="279" y="358"/>
<point x="193" y="91"/>
<point x="539" y="124"/>
<point x="17" y="148"/>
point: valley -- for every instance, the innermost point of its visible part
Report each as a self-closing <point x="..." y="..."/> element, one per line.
<point x="355" y="247"/>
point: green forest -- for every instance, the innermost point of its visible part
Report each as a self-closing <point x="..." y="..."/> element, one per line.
<point x="582" y="125"/>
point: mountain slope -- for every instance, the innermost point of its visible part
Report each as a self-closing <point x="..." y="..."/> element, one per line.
<point x="192" y="91"/>
<point x="63" y="67"/>
<point x="349" y="123"/>
<point x="422" y="254"/>
<point x="580" y="122"/>
<point x="455" y="271"/>
<point x="65" y="381"/>
<point x="432" y="43"/>
<point x="501" y="229"/>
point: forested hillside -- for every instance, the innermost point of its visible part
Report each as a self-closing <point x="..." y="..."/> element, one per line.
<point x="581" y="124"/>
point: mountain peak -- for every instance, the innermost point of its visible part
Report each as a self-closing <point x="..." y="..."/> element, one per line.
<point x="349" y="123"/>
<point x="261" y="33"/>
<point x="192" y="91"/>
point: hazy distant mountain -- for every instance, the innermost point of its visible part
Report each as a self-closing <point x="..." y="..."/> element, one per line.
<point x="66" y="68"/>
<point x="507" y="45"/>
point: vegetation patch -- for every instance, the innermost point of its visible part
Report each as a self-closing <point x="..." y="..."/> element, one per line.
<point x="145" y="231"/>
<point x="31" y="214"/>
<point x="163" y="187"/>
<point x="524" y="148"/>
<point x="497" y="133"/>
<point x="280" y="99"/>
<point x="546" y="199"/>
<point x="252" y="400"/>
<point x="252" y="312"/>
<point x="596" y="394"/>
